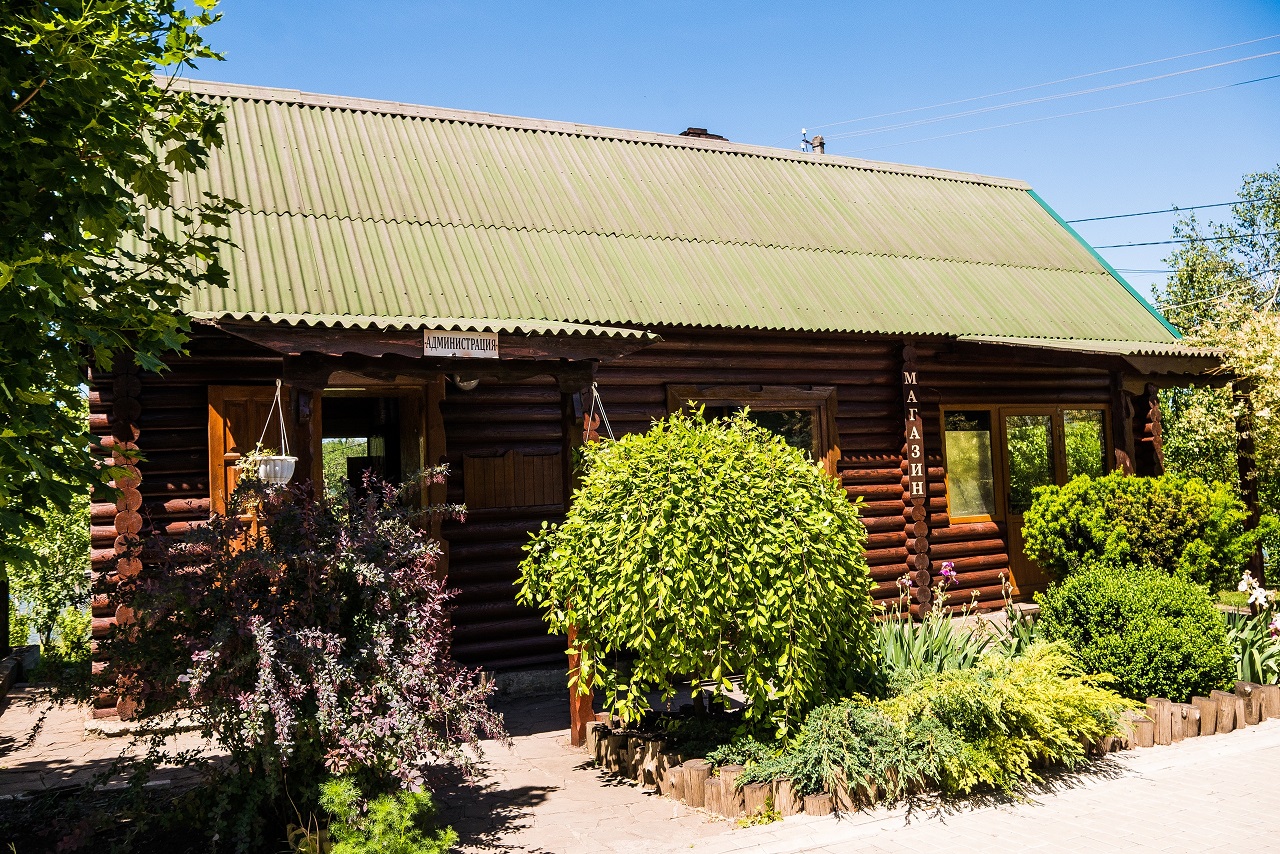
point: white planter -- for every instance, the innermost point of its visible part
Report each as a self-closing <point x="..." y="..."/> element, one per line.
<point x="276" y="470"/>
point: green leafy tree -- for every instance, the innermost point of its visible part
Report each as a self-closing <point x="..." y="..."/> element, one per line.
<point x="707" y="550"/>
<point x="1225" y="292"/>
<point x="90" y="140"/>
<point x="57" y="578"/>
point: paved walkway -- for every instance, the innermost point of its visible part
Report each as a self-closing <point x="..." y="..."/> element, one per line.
<point x="1218" y="793"/>
<point x="43" y="747"/>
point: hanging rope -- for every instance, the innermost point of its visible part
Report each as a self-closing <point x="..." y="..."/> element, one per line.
<point x="276" y="407"/>
<point x="594" y="417"/>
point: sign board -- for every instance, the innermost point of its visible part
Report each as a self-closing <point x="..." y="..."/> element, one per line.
<point x="915" y="460"/>
<point x="460" y="345"/>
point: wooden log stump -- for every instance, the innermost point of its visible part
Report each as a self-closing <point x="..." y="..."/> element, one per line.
<point x="1161" y="713"/>
<point x="1208" y="714"/>
<point x="1226" y="704"/>
<point x="596" y="733"/>
<point x="785" y="800"/>
<point x="819" y="804"/>
<point x="731" y="799"/>
<point x="673" y="784"/>
<point x="1251" y="693"/>
<point x="635" y="756"/>
<point x="711" y="797"/>
<point x="755" y="798"/>
<point x="696" y="772"/>
<point x="1142" y="730"/>
<point x="1271" y="701"/>
<point x="615" y="760"/>
<point x="1186" y="721"/>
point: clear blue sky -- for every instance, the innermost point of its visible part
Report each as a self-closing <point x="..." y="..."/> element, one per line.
<point x="759" y="72"/>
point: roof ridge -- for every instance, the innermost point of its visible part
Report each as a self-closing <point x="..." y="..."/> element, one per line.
<point x="396" y="108"/>
<point x="658" y="237"/>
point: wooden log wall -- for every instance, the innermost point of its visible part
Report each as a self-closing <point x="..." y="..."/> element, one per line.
<point x="979" y="550"/>
<point x="167" y="417"/>
<point x="489" y="628"/>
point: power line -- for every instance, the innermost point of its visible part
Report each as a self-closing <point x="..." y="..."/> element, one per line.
<point x="1043" y="85"/>
<point x="1057" y="97"/>
<point x="1166" y="210"/>
<point x="1066" y="115"/>
<point x="1183" y="240"/>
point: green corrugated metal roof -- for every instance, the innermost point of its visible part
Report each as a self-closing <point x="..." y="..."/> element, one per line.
<point x="465" y="324"/>
<point x="1108" y="348"/>
<point x="363" y="209"/>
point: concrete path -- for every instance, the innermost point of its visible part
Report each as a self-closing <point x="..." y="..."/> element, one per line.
<point x="1218" y="793"/>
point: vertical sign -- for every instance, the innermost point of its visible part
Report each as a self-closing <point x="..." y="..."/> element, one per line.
<point x="914" y="457"/>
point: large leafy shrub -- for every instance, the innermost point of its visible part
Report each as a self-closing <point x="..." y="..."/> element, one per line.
<point x="1180" y="525"/>
<point x="1159" y="636"/>
<point x="394" y="823"/>
<point x="706" y="550"/>
<point x="989" y="725"/>
<point x="308" y="639"/>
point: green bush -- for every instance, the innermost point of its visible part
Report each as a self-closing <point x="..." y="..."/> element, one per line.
<point x="395" y="823"/>
<point x="1159" y="636"/>
<point x="988" y="725"/>
<point x="1255" y="646"/>
<point x="1180" y="525"/>
<point x="707" y="550"/>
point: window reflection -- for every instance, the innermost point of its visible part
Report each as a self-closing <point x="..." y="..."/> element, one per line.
<point x="970" y="478"/>
<point x="1029" y="440"/>
<point x="1086" y="442"/>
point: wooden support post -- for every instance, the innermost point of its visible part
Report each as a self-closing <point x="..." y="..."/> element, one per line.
<point x="711" y="795"/>
<point x="1271" y="701"/>
<point x="1251" y="694"/>
<point x="1121" y="424"/>
<point x="581" y="706"/>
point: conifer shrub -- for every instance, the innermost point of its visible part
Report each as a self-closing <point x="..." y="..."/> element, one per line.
<point x="1158" y="635"/>
<point x="988" y="726"/>
<point x="1180" y="525"/>
<point x="707" y="550"/>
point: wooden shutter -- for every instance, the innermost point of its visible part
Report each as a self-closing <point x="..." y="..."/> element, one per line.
<point x="236" y="418"/>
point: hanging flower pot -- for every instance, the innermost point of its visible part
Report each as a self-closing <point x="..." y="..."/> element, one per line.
<point x="273" y="469"/>
<point x="276" y="469"/>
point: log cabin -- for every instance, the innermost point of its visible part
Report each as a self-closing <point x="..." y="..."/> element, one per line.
<point x="437" y="285"/>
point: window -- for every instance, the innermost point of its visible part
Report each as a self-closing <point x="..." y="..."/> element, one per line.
<point x="803" y="415"/>
<point x="1086" y="440"/>
<point x="971" y="489"/>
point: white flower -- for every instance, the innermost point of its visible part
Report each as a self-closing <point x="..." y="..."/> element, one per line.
<point x="1258" y="596"/>
<point x="1246" y="582"/>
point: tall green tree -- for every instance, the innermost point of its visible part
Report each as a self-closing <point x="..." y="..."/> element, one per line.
<point x="1225" y="292"/>
<point x="91" y="135"/>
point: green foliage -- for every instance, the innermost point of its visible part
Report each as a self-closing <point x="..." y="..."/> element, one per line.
<point x="395" y="823"/>
<point x="707" y="550"/>
<point x="1222" y="293"/>
<point x="1255" y="646"/>
<point x="1010" y="715"/>
<point x="1176" y="524"/>
<point x="19" y="626"/>
<point x="911" y="649"/>
<point x="1159" y="636"/>
<point x="90" y="140"/>
<point x="989" y="725"/>
<point x="54" y="579"/>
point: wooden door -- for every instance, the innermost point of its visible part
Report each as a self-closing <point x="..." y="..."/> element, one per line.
<point x="237" y="415"/>
<point x="1030" y="459"/>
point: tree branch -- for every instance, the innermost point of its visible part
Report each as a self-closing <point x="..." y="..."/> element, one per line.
<point x="34" y="92"/>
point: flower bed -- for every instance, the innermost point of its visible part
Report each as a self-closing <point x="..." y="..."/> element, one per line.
<point x="648" y="757"/>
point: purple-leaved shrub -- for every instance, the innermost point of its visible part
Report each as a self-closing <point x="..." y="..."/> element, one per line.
<point x="308" y="638"/>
